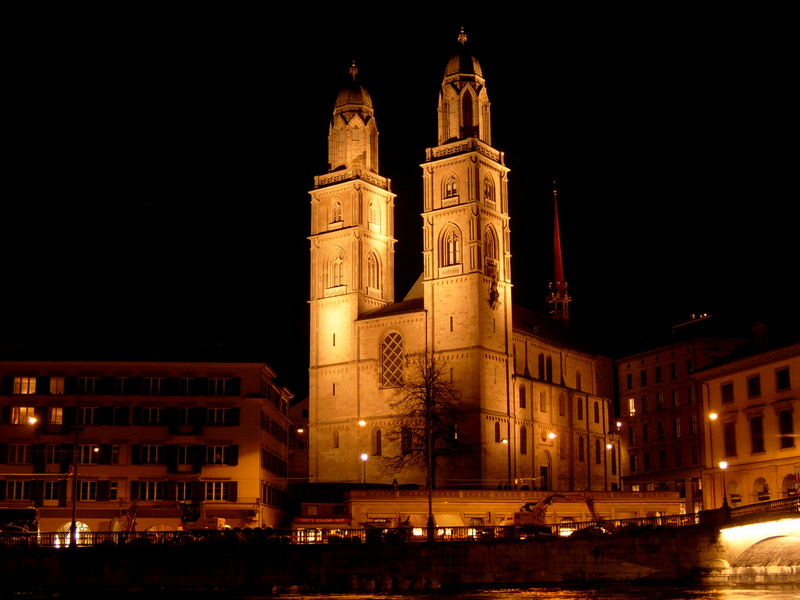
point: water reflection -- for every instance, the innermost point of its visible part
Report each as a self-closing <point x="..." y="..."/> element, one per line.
<point x="588" y="593"/>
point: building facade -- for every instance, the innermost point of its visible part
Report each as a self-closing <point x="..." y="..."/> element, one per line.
<point x="751" y="408"/>
<point x="661" y="412"/>
<point x="538" y="406"/>
<point x="135" y="445"/>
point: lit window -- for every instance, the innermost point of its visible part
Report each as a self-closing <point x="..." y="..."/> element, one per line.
<point x="631" y="406"/>
<point x="56" y="385"/>
<point x="22" y="415"/>
<point x="24" y="385"/>
<point x="392" y="360"/>
<point x="55" y="415"/>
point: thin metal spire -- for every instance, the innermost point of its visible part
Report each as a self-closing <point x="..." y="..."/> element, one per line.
<point x="462" y="37"/>
<point x="353" y="70"/>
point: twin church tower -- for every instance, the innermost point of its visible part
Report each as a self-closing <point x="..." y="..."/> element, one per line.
<point x="523" y="390"/>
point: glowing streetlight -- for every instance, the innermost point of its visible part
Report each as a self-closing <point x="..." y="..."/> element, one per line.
<point x="609" y="446"/>
<point x="551" y="436"/>
<point x="362" y="423"/>
<point x="300" y="430"/>
<point x="364" y="458"/>
<point x="32" y="420"/>
<point x="723" y="464"/>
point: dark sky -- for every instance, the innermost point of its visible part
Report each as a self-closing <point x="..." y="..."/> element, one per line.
<point x="156" y="189"/>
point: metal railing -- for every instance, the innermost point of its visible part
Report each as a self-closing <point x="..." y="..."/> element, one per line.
<point x="475" y="533"/>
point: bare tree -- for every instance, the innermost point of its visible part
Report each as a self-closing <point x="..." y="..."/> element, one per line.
<point x="428" y="418"/>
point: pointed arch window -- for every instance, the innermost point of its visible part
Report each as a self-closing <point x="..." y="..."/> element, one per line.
<point x="497" y="431"/>
<point x="373" y="272"/>
<point x="488" y="190"/>
<point x="450" y="250"/>
<point x="490" y="244"/>
<point x="336" y="270"/>
<point x="374" y="216"/>
<point x="392" y="360"/>
<point x="468" y="129"/>
<point x="451" y="187"/>
<point x="336" y="212"/>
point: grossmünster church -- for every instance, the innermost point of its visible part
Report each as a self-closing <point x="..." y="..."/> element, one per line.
<point x="539" y="408"/>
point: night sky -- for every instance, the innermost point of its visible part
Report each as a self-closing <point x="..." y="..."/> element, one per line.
<point x="156" y="189"/>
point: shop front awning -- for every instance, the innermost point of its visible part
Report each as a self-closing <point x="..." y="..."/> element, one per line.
<point x="448" y="520"/>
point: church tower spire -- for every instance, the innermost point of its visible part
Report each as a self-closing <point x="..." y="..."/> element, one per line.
<point x="558" y="298"/>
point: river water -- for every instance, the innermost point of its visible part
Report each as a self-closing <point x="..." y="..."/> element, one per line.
<point x="585" y="593"/>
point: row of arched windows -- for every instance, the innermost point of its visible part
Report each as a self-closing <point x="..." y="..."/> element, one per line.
<point x="450" y="245"/>
<point x="335" y="270"/>
<point x="373" y="215"/>
<point x="450" y="188"/>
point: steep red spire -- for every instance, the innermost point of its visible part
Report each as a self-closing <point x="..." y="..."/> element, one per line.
<point x="559" y="296"/>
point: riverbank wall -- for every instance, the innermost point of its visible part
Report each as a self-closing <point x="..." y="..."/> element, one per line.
<point x="673" y="554"/>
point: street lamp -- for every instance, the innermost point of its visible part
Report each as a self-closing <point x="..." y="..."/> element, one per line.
<point x="364" y="459"/>
<point x="724" y="465"/>
<point x="712" y="416"/>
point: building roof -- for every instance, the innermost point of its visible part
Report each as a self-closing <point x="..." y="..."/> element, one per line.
<point x="395" y="308"/>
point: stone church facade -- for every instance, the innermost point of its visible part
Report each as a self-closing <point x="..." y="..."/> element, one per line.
<point x="539" y="406"/>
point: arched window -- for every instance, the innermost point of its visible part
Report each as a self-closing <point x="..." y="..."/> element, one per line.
<point x="337" y="271"/>
<point x="451" y="187"/>
<point x="377" y="449"/>
<point x="613" y="460"/>
<point x="542" y="402"/>
<point x="581" y="451"/>
<point x="392" y="360"/>
<point x="468" y="129"/>
<point x="336" y="212"/>
<point x="450" y="250"/>
<point x="490" y="245"/>
<point x="596" y="411"/>
<point x="406" y="441"/>
<point x="497" y="431"/>
<point x="522" y="397"/>
<point x="523" y="440"/>
<point x="374" y="215"/>
<point x="598" y="456"/>
<point x="373" y="272"/>
<point x="335" y="439"/>
<point x="488" y="190"/>
<point x="549" y="368"/>
<point x="562" y="405"/>
<point x="580" y="409"/>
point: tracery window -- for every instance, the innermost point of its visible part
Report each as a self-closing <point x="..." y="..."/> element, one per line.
<point x="450" y="247"/>
<point x="336" y="212"/>
<point x="373" y="272"/>
<point x="490" y="244"/>
<point x="392" y="360"/>
<point x="336" y="270"/>
<point x="488" y="191"/>
<point x="451" y="187"/>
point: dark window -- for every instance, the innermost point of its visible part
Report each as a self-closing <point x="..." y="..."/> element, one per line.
<point x="754" y="386"/>
<point x="757" y="434"/>
<point x="662" y="459"/>
<point x="786" y="425"/>
<point x="634" y="462"/>
<point x="523" y="440"/>
<point x="729" y="438"/>
<point x="596" y="412"/>
<point x="726" y="389"/>
<point x="658" y="374"/>
<point x="628" y="381"/>
<point x="782" y="379"/>
<point x="642" y="377"/>
<point x="598" y="452"/>
<point x="522" y="399"/>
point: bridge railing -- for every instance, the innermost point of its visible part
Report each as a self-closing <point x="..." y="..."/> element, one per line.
<point x="371" y="535"/>
<point x="781" y="505"/>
